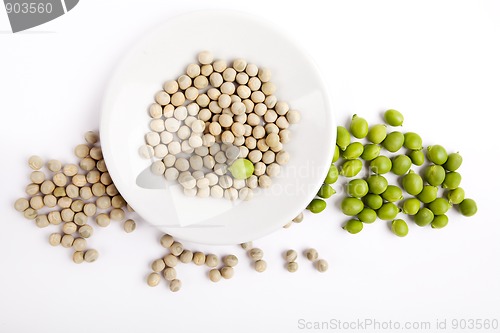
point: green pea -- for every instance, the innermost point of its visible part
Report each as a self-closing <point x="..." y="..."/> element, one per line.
<point x="452" y="180"/>
<point x="399" y="228"/>
<point x="336" y="154"/>
<point x="377" y="133"/>
<point x="413" y="141"/>
<point x="413" y="183"/>
<point x="351" y="168"/>
<point x="467" y="207"/>
<point x="241" y="168"/>
<point x="353" y="151"/>
<point x="423" y="217"/>
<point x="392" y="193"/>
<point x="326" y="191"/>
<point x="400" y="165"/>
<point x="374" y="201"/>
<point x="351" y="206"/>
<point x="456" y="196"/>
<point x="367" y="215"/>
<point x="439" y="221"/>
<point x="439" y="206"/>
<point x="411" y="206"/>
<point x="453" y="162"/>
<point x="417" y="157"/>
<point x="353" y="226"/>
<point x="381" y="164"/>
<point x="377" y="184"/>
<point x="370" y="152"/>
<point x="393" y="117"/>
<point x="317" y="206"/>
<point x="359" y="127"/>
<point x="333" y="175"/>
<point x="357" y="188"/>
<point x="434" y="174"/>
<point x="388" y="211"/>
<point x="394" y="141"/>
<point x="437" y="154"/>
<point x="343" y="137"/>
<point x="428" y="194"/>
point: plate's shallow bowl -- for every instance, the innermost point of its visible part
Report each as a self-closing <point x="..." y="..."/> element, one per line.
<point x="163" y="54"/>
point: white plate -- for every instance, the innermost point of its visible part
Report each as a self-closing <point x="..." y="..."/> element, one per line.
<point x="163" y="54"/>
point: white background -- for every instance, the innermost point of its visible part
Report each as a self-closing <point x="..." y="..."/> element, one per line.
<point x="436" y="61"/>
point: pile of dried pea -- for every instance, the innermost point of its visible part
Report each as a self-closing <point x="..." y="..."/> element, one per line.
<point x="70" y="195"/>
<point x="177" y="253"/>
<point x="372" y="197"/>
<point x="219" y="129"/>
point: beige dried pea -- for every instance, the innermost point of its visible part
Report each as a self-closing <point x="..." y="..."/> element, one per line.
<point x="129" y="226"/>
<point x="153" y="279"/>
<point x="175" y="285"/>
<point x="170" y="260"/>
<point x="35" y="162"/>
<point x="158" y="265"/>
<point x="214" y="275"/>
<point x="78" y="257"/>
<point x="227" y="272"/>
<point x="91" y="255"/>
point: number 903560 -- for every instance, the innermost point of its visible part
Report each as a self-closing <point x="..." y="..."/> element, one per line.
<point x="28" y="8"/>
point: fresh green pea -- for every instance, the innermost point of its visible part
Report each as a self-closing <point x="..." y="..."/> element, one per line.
<point x="424" y="217"/>
<point x="351" y="168"/>
<point x="370" y="152"/>
<point x="456" y="196"/>
<point x="400" y="165"/>
<point x="393" y="117"/>
<point x="399" y="228"/>
<point x="353" y="151"/>
<point x="439" y="206"/>
<point x="439" y="221"/>
<point x="437" y="154"/>
<point x="377" y="184"/>
<point x="357" y="188"/>
<point x="333" y="175"/>
<point x="374" y="201"/>
<point x="452" y="180"/>
<point x="353" y="226"/>
<point x="336" y="154"/>
<point x="467" y="207"/>
<point x="413" y="183"/>
<point x="434" y="174"/>
<point x="343" y="137"/>
<point x="392" y="193"/>
<point x="377" y="133"/>
<point x="417" y="157"/>
<point x="381" y="164"/>
<point x="326" y="191"/>
<point x="453" y="162"/>
<point x="317" y="206"/>
<point x="428" y="194"/>
<point x="241" y="168"/>
<point x="388" y="211"/>
<point x="367" y="215"/>
<point x="359" y="127"/>
<point x="413" y="141"/>
<point x="351" y="206"/>
<point x="411" y="206"/>
<point x="394" y="141"/>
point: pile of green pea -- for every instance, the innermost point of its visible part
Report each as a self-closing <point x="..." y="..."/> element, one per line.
<point x="373" y="197"/>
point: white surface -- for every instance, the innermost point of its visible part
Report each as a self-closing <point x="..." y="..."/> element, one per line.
<point x="436" y="61"/>
<point x="142" y="73"/>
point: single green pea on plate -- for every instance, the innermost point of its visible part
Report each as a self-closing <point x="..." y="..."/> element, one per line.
<point x="142" y="72"/>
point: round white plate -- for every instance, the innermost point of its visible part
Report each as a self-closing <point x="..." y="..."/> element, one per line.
<point x="163" y="54"/>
